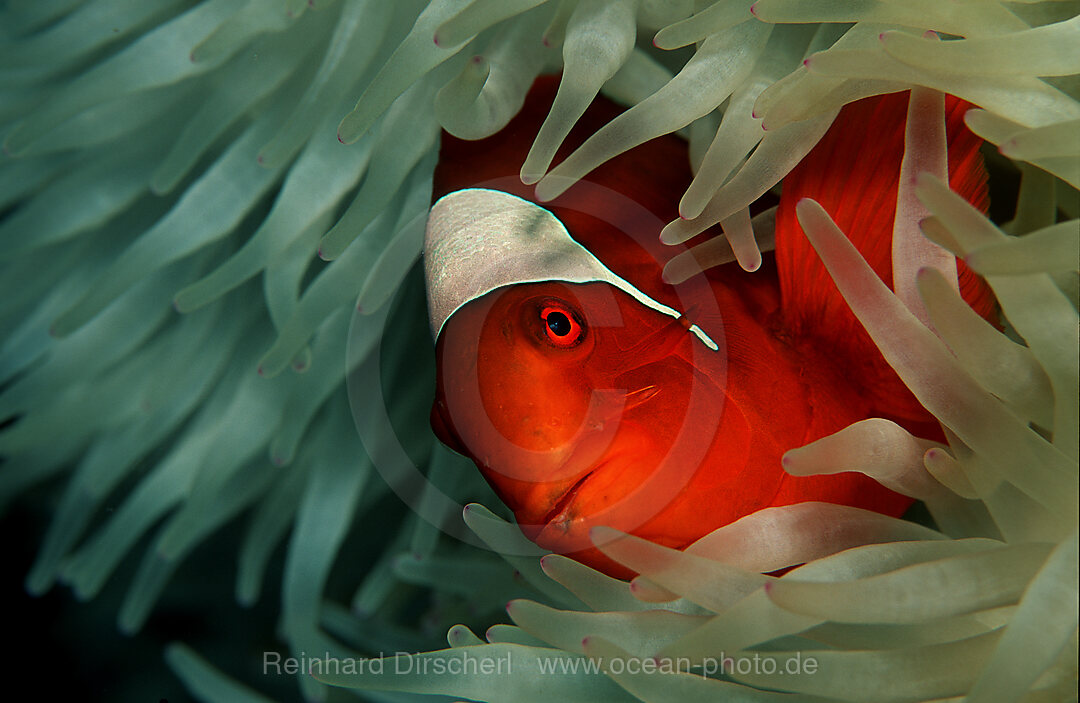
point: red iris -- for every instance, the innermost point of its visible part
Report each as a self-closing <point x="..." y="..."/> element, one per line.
<point x="563" y="330"/>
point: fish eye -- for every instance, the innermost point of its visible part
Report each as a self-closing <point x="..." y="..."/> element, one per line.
<point x="561" y="326"/>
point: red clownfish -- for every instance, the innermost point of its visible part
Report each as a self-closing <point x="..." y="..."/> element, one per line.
<point x="590" y="392"/>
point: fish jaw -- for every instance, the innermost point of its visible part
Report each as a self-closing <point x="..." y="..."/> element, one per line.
<point x="624" y="491"/>
<point x="668" y="466"/>
<point x="619" y="490"/>
<point x="565" y="526"/>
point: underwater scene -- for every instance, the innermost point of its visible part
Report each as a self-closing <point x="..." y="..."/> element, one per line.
<point x="540" y="350"/>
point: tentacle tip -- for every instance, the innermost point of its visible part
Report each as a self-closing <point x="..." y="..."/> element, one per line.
<point x="768" y="587"/>
<point x="585" y="641"/>
<point x="277" y="460"/>
<point x="806" y="62"/>
<point x="477" y="59"/>
<point x="510" y="605"/>
<point x="881" y="36"/>
<point x="260" y="159"/>
<point x="435" y="38"/>
<point x="191" y="57"/>
<point x="546" y="42"/>
<point x="260" y="371"/>
<point x="753" y="10"/>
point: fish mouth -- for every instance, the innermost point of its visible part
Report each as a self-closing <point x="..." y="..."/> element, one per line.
<point x="556" y="516"/>
<point x="558" y="509"/>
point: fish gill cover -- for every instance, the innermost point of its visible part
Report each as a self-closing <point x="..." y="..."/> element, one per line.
<point x="193" y="264"/>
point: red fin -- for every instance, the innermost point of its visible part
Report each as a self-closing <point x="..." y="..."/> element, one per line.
<point x="854" y="173"/>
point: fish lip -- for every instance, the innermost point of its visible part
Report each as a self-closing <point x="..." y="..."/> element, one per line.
<point x="567" y="497"/>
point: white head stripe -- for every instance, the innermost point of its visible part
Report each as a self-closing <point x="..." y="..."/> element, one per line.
<point x="478" y="240"/>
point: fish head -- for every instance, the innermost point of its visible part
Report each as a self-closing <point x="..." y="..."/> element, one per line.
<point x="567" y="387"/>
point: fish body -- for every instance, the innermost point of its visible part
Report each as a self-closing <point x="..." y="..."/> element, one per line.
<point x="664" y="410"/>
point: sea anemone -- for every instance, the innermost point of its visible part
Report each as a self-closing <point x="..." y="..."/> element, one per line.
<point x="194" y="263"/>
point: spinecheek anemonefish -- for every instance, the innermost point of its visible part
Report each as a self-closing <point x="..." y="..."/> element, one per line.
<point x="588" y="391"/>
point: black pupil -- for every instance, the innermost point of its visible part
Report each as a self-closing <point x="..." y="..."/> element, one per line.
<point x="559" y="324"/>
